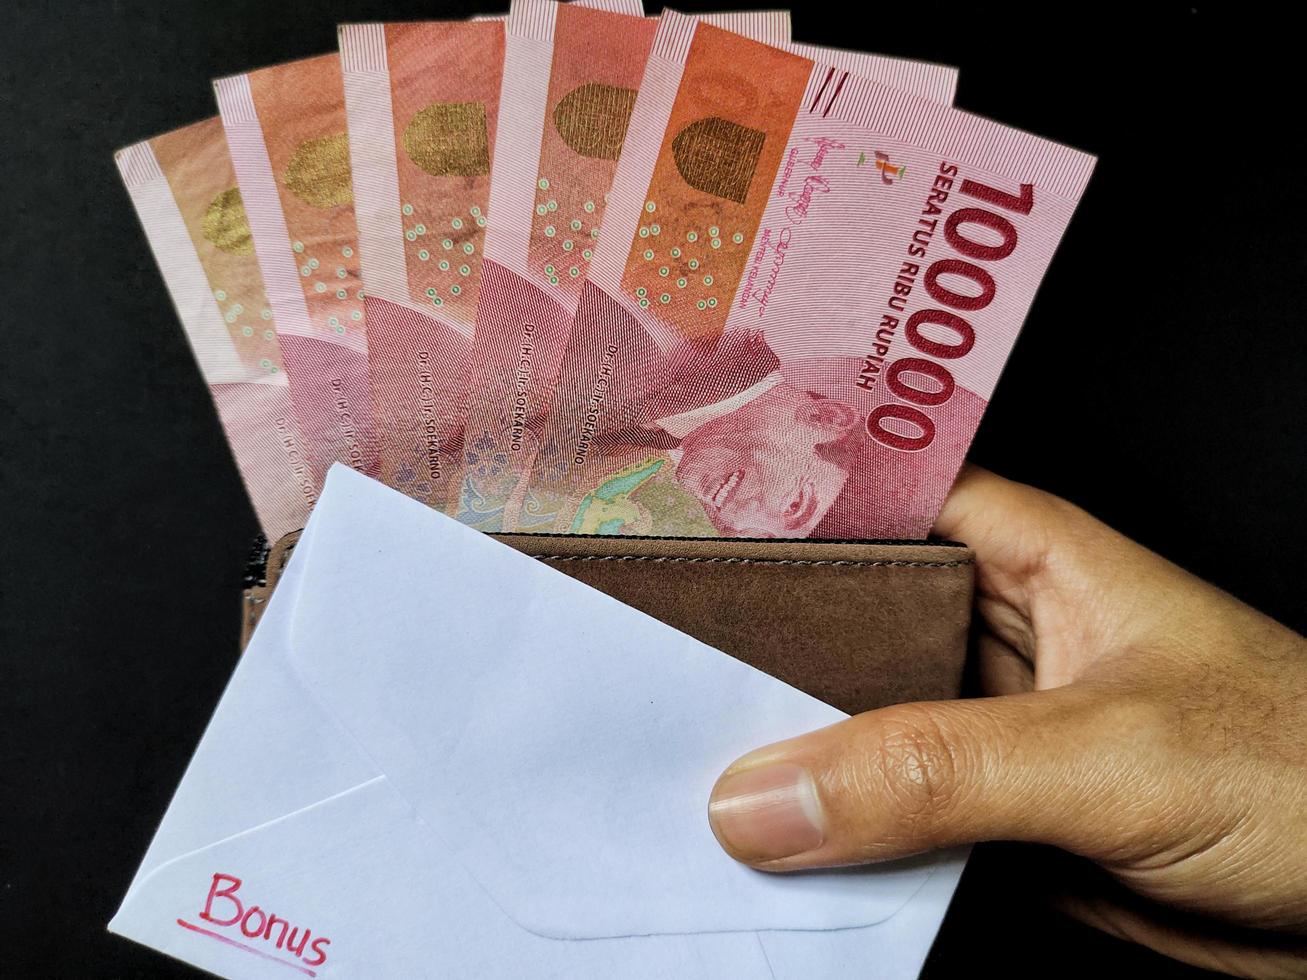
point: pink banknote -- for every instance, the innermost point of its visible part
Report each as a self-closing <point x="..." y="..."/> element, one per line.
<point x="422" y="101"/>
<point x="807" y="288"/>
<point x="184" y="190"/>
<point x="286" y="131"/>
<point x="571" y="72"/>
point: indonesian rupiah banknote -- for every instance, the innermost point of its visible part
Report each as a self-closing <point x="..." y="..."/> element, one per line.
<point x="807" y="286"/>
<point x="570" y="77"/>
<point x="184" y="190"/>
<point x="422" y="101"/>
<point x="286" y="130"/>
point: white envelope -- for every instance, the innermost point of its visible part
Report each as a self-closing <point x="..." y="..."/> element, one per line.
<point x="439" y="757"/>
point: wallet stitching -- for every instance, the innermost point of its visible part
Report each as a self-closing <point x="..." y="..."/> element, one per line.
<point x="706" y="560"/>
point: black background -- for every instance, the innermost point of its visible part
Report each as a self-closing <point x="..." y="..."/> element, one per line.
<point x="1158" y="383"/>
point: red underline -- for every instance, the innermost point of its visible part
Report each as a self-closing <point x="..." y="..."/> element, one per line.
<point x="249" y="949"/>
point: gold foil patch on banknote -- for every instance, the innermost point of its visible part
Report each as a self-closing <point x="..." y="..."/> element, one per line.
<point x="225" y="226"/>
<point x="449" y="139"/>
<point x="318" y="173"/>
<point x="718" y="157"/>
<point x="592" y="119"/>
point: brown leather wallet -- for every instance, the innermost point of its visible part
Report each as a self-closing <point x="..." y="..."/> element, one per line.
<point x="858" y="625"/>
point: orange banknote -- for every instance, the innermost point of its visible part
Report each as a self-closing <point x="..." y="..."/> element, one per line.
<point x="422" y="101"/>
<point x="286" y="130"/>
<point x="185" y="193"/>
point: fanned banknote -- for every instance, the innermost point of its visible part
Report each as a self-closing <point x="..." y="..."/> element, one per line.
<point x="810" y="274"/>
<point x="807" y="287"/>
<point x="184" y="190"/>
<point x="422" y="101"/>
<point x="286" y="130"/>
<point x="570" y="77"/>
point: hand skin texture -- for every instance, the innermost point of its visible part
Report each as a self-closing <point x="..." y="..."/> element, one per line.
<point x="1137" y="717"/>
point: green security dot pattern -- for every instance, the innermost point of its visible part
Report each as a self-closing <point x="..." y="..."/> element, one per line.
<point x="677" y="261"/>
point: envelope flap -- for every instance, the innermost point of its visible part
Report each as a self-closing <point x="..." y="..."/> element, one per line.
<point x="563" y="744"/>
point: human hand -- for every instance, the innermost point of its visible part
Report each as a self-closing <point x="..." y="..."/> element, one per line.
<point x="1140" y="718"/>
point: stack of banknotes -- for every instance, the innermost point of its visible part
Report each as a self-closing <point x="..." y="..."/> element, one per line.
<point x="575" y="269"/>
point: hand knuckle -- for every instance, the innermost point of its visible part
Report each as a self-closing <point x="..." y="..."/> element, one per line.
<point x="917" y="767"/>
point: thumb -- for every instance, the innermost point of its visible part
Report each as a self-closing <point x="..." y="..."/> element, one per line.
<point x="916" y="777"/>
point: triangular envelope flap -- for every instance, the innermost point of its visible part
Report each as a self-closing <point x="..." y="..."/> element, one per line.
<point x="562" y="743"/>
<point x="270" y="749"/>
